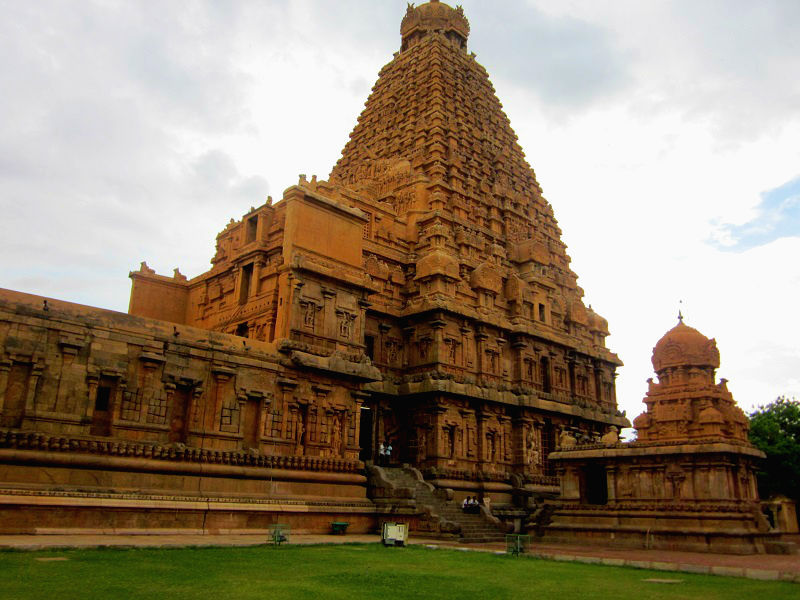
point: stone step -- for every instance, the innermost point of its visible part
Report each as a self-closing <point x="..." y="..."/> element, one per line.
<point x="474" y="528"/>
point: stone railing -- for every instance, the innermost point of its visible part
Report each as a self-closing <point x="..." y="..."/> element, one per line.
<point x="176" y="453"/>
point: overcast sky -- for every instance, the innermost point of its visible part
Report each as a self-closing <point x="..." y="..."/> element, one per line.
<point x="666" y="134"/>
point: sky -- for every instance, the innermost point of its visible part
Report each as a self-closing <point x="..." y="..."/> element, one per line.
<point x="666" y="135"/>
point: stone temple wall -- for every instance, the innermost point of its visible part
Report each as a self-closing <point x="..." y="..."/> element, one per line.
<point x="97" y="406"/>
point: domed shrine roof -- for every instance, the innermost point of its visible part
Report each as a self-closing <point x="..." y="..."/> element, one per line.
<point x="684" y="346"/>
<point x="434" y="16"/>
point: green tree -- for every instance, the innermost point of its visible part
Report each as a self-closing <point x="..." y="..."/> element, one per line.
<point x="775" y="429"/>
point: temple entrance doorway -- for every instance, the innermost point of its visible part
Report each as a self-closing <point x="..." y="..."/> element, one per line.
<point x="366" y="438"/>
<point x="595" y="485"/>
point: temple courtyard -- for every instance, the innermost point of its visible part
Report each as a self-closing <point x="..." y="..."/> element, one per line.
<point x="366" y="569"/>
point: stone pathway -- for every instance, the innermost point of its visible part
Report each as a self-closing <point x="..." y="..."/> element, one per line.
<point x="758" y="566"/>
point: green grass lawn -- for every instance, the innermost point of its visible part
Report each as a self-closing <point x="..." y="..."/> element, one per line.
<point x="346" y="571"/>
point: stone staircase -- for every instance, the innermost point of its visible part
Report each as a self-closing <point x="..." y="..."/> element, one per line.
<point x="472" y="528"/>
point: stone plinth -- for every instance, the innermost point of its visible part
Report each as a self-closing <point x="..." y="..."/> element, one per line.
<point x="698" y="497"/>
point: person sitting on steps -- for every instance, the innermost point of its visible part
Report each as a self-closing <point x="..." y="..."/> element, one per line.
<point x="470" y="505"/>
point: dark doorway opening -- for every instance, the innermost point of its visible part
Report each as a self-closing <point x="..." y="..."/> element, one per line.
<point x="369" y="346"/>
<point x="365" y="439"/>
<point x="101" y="417"/>
<point x="252" y="229"/>
<point x="595" y="485"/>
<point x="247" y="276"/>
<point x="544" y="369"/>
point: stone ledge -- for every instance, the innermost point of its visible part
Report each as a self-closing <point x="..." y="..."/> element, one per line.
<point x="86" y="499"/>
<point x="37" y="442"/>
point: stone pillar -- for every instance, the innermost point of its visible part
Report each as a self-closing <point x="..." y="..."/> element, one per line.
<point x="329" y="322"/>
<point x="287" y="387"/>
<point x="518" y="346"/>
<point x="480" y="348"/>
<point x="382" y="355"/>
<point x="92" y="381"/>
<point x="481" y="417"/>
<point x="116" y="401"/>
<point x="359" y="399"/>
<point x="5" y="368"/>
<point x="438" y="339"/>
<point x="33" y="380"/>
<point x="611" y="482"/>
<point x="571" y="374"/>
<point x="522" y="436"/>
<point x="466" y="341"/>
<point x="439" y="411"/>
<point x="221" y="377"/>
<point x="256" y="281"/>
<point x="360" y="331"/>
<point x="570" y="483"/>
<point x="506" y="441"/>
<point x="263" y="407"/>
<point x="237" y="284"/>
<point x="501" y="361"/>
<point x="408" y="338"/>
<point x="598" y="384"/>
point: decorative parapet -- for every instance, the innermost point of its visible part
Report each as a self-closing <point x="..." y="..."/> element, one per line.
<point x="716" y="445"/>
<point x="666" y="506"/>
<point x="173" y="453"/>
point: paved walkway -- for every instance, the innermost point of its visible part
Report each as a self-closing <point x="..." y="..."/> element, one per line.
<point x="758" y="566"/>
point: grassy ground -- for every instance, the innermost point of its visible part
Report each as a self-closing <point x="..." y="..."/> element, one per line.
<point x="346" y="571"/>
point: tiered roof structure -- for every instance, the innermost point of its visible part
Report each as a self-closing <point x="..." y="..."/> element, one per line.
<point x="687" y="403"/>
<point x="430" y="252"/>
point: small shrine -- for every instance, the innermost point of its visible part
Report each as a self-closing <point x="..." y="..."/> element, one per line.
<point x="686" y="483"/>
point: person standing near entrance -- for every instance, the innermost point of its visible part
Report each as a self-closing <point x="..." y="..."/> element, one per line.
<point x="381" y="454"/>
<point x="388" y="453"/>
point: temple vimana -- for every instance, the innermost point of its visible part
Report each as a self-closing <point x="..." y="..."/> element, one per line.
<point x="419" y="298"/>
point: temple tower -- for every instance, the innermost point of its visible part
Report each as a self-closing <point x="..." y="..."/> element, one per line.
<point x="431" y="253"/>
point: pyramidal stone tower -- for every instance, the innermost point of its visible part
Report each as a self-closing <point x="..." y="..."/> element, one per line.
<point x="430" y="255"/>
<point x="419" y="298"/>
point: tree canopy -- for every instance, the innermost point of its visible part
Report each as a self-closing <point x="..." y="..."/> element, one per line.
<point x="775" y="429"/>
